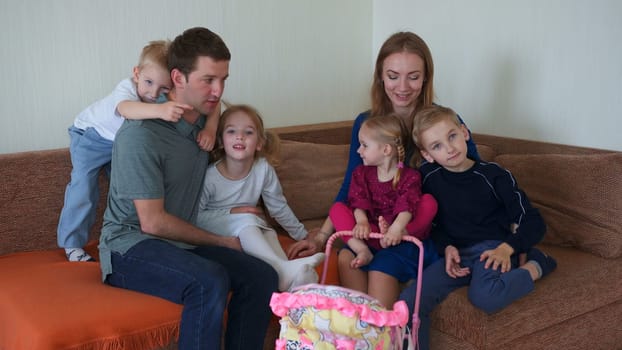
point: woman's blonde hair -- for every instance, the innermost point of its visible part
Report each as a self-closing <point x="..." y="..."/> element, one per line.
<point x="390" y="129"/>
<point x="270" y="142"/>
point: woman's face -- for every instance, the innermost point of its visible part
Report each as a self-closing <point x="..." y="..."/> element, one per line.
<point x="403" y="74"/>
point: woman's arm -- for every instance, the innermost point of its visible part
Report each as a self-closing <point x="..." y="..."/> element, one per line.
<point x="471" y="147"/>
<point x="354" y="159"/>
<point x="317" y="237"/>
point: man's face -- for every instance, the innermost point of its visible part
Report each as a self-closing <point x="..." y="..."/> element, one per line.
<point x="205" y="85"/>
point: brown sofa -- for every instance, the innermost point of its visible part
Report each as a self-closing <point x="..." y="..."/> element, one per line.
<point x="579" y="306"/>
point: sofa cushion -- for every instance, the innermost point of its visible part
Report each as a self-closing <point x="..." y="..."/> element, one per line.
<point x="579" y="196"/>
<point x="49" y="303"/>
<point x="572" y="293"/>
<point x="311" y="175"/>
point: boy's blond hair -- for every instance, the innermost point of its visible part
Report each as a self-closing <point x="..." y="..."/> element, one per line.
<point x="156" y="52"/>
<point x="425" y="119"/>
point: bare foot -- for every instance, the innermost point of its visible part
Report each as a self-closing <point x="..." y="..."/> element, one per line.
<point x="363" y="258"/>
<point x="383" y="225"/>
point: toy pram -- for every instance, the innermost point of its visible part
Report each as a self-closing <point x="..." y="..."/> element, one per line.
<point x="321" y="317"/>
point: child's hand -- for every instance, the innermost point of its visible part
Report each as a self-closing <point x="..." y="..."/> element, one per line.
<point x="498" y="257"/>
<point x="172" y="111"/>
<point x="452" y="263"/>
<point x="392" y="237"/>
<point x="206" y="139"/>
<point x="361" y="230"/>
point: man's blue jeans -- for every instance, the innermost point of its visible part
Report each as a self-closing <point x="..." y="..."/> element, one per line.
<point x="201" y="279"/>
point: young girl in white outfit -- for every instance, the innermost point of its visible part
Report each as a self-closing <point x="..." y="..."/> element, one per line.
<point x="233" y="185"/>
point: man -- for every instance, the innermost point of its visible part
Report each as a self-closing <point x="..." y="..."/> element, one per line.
<point x="148" y="243"/>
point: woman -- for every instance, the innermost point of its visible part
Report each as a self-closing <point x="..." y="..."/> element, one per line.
<point x="403" y="83"/>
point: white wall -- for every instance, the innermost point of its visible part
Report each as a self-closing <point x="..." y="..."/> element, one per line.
<point x="541" y="70"/>
<point x="296" y="61"/>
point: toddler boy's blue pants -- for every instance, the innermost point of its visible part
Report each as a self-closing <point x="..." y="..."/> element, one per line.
<point x="89" y="154"/>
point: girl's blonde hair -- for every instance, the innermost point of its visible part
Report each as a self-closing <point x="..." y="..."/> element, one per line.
<point x="270" y="142"/>
<point x="428" y="117"/>
<point x="390" y="129"/>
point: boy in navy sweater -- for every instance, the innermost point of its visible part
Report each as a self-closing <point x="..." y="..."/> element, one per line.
<point x="483" y="224"/>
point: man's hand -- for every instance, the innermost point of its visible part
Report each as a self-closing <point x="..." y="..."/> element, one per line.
<point x="452" y="263"/>
<point x="232" y="242"/>
<point x="498" y="257"/>
<point x="313" y="243"/>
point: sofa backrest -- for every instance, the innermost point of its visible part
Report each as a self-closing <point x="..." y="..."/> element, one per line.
<point x="578" y="190"/>
<point x="32" y="187"/>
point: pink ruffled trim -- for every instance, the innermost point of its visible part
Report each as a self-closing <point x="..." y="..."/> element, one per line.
<point x="281" y="303"/>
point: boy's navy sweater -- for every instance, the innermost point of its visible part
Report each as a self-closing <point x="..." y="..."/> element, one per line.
<point x="480" y="204"/>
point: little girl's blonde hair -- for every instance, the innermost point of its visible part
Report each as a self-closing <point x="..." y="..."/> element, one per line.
<point x="390" y="129"/>
<point x="270" y="142"/>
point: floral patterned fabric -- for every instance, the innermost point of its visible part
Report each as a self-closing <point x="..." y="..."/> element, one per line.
<point x="322" y="317"/>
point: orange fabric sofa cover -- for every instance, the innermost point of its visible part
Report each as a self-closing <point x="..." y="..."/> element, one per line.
<point x="49" y="303"/>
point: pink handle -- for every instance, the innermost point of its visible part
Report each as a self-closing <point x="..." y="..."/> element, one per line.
<point x="415" y="319"/>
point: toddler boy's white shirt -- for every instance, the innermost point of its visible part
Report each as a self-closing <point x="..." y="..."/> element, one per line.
<point x="103" y="115"/>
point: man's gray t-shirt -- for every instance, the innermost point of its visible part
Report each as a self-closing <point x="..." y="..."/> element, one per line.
<point x="151" y="159"/>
